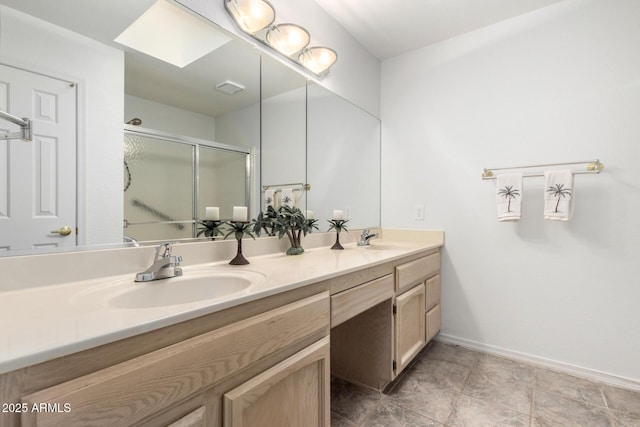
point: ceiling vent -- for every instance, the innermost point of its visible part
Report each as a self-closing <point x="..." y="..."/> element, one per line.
<point x="229" y="87"/>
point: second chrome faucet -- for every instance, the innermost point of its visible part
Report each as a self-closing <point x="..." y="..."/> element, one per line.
<point x="365" y="237"/>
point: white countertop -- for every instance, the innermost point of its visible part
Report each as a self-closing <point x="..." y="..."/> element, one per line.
<point x="43" y="323"/>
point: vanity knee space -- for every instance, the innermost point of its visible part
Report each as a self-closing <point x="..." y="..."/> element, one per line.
<point x="380" y="326"/>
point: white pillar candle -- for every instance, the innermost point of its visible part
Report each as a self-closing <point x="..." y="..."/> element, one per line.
<point x="337" y="215"/>
<point x="308" y="214"/>
<point x="240" y="214"/>
<point x="212" y="213"/>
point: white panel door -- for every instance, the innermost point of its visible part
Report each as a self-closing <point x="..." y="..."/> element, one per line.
<point x="38" y="178"/>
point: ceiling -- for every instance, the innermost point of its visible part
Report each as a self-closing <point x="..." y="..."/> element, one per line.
<point x="389" y="28"/>
<point x="386" y="28"/>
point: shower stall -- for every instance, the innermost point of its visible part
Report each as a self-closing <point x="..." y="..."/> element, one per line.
<point x="169" y="180"/>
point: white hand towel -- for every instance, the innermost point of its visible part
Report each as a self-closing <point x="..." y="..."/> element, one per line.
<point x="558" y="195"/>
<point x="269" y="198"/>
<point x="509" y="196"/>
<point x="287" y="197"/>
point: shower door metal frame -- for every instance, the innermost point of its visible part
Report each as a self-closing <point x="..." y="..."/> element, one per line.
<point x="196" y="143"/>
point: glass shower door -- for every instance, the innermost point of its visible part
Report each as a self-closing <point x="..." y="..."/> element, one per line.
<point x="159" y="188"/>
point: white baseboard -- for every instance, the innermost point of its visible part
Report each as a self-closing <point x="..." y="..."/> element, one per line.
<point x="555" y="365"/>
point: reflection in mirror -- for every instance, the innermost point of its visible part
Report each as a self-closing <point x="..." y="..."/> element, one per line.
<point x="283" y="153"/>
<point x="72" y="42"/>
<point x="164" y="172"/>
<point x="158" y="189"/>
<point x="224" y="180"/>
<point x="343" y="157"/>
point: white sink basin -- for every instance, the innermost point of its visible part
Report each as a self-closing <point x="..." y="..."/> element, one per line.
<point x="193" y="287"/>
<point x="179" y="290"/>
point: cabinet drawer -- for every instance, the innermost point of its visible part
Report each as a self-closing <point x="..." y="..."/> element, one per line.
<point x="131" y="391"/>
<point x="349" y="303"/>
<point x="433" y="291"/>
<point x="433" y="322"/>
<point x="411" y="273"/>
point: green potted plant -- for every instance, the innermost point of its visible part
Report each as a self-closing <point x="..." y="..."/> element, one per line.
<point x="290" y="221"/>
<point x="265" y="222"/>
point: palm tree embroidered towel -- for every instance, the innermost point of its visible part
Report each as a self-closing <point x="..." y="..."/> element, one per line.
<point x="269" y="198"/>
<point x="558" y="196"/>
<point x="287" y="197"/>
<point x="509" y="196"/>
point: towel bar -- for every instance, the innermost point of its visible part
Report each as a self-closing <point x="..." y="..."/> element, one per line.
<point x="592" y="166"/>
<point x="305" y="187"/>
<point x="25" y="133"/>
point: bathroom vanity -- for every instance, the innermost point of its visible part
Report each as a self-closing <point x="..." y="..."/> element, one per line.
<point x="263" y="356"/>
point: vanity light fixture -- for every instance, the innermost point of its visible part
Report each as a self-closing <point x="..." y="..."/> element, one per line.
<point x="251" y="15"/>
<point x="168" y="32"/>
<point x="288" y="39"/>
<point x="318" y="59"/>
<point x="257" y="17"/>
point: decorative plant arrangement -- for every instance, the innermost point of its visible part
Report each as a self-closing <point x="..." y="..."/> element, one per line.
<point x="265" y="222"/>
<point x="285" y="220"/>
<point x="338" y="225"/>
<point x="311" y="224"/>
<point x="239" y="229"/>
<point x="210" y="228"/>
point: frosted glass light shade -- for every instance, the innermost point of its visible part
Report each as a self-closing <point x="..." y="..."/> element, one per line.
<point x="318" y="59"/>
<point x="288" y="39"/>
<point x="251" y="15"/>
<point x="167" y="32"/>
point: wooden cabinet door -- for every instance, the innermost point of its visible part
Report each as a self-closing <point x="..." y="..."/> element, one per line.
<point x="295" y="392"/>
<point x="410" y="326"/>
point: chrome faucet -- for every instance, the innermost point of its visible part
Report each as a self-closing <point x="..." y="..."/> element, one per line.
<point x="164" y="265"/>
<point x="365" y="237"/>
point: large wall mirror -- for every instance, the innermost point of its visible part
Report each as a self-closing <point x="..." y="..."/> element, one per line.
<point x="343" y="159"/>
<point x="284" y="133"/>
<point x="188" y="135"/>
<point x="318" y="149"/>
<point x="94" y="86"/>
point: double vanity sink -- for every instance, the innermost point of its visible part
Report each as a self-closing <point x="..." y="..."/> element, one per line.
<point x="277" y="326"/>
<point x="38" y="323"/>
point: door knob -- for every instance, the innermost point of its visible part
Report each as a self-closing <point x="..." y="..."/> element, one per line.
<point x="63" y="231"/>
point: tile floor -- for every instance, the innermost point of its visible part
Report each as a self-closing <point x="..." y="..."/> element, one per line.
<point x="453" y="386"/>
